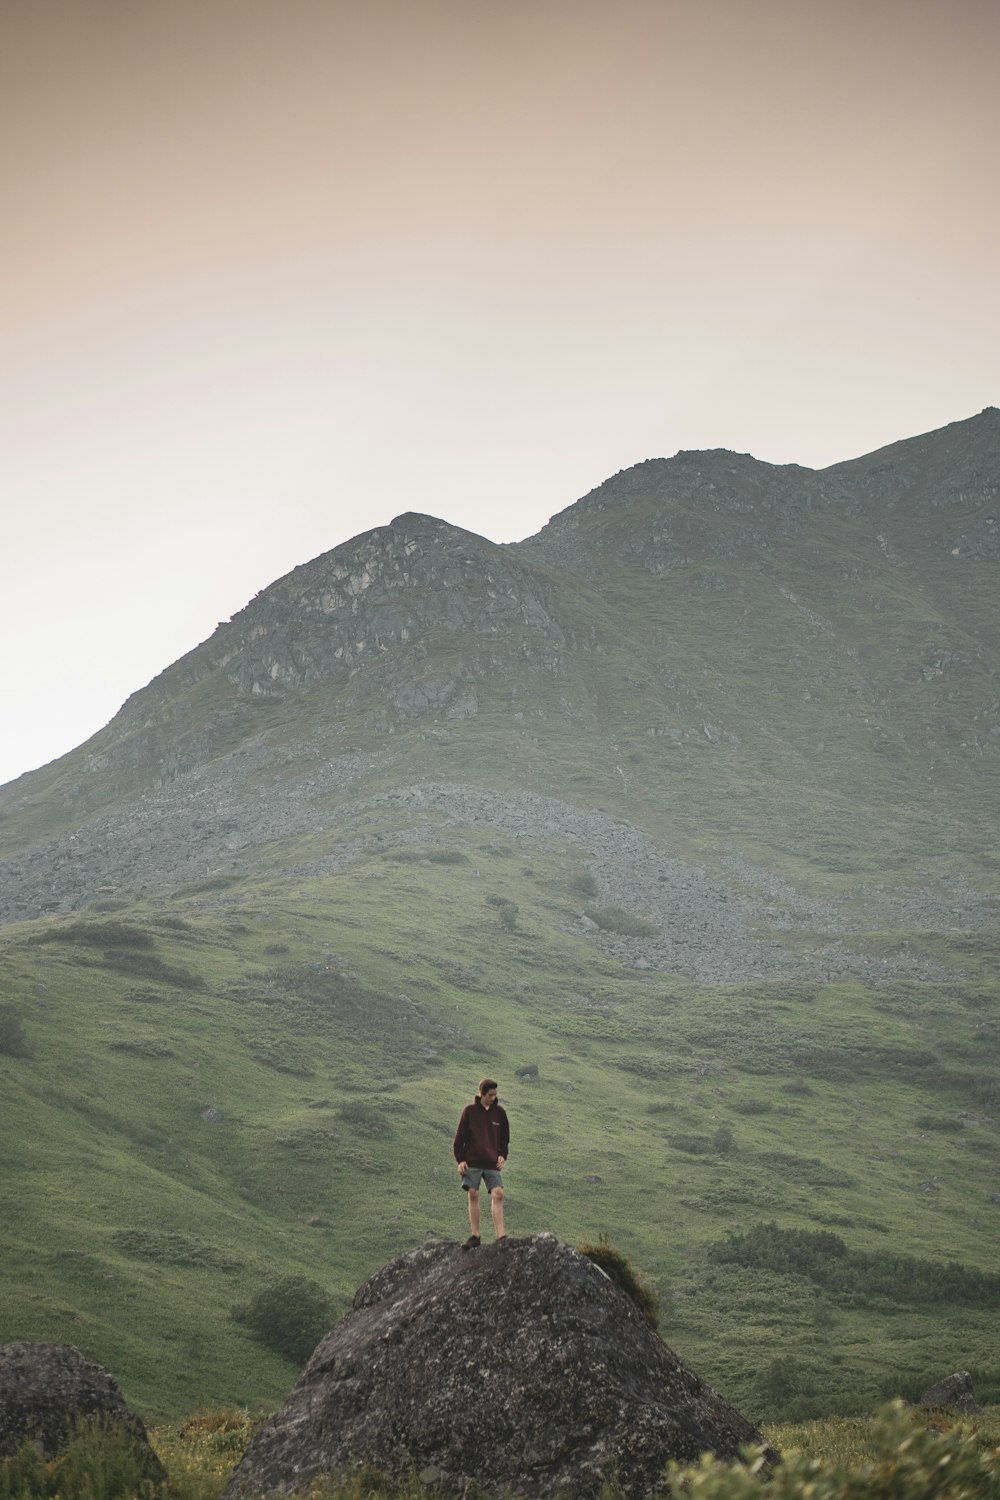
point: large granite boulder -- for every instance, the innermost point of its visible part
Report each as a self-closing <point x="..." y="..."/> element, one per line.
<point x="519" y="1364"/>
<point x="45" y="1389"/>
<point x="955" y="1392"/>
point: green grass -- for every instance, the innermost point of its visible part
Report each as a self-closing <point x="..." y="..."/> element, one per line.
<point x="133" y="1219"/>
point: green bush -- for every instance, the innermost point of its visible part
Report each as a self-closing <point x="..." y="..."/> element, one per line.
<point x="908" y="1460"/>
<point x="584" y="884"/>
<point x="506" y="911"/>
<point x="13" y="1042"/>
<point x="98" y="1462"/>
<point x="825" y="1259"/>
<point x="694" y="1145"/>
<point x="507" y="915"/>
<point x="616" y="919"/>
<point x="172" y="1248"/>
<point x="366" y="1119"/>
<point x="433" y="856"/>
<point x="149" y="966"/>
<point x="98" y="935"/>
<point x="753" y="1106"/>
<point x="623" y="1273"/>
<point x="290" y="1316"/>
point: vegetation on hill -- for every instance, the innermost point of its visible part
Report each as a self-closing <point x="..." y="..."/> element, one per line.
<point x="274" y="1098"/>
<point x="678" y="818"/>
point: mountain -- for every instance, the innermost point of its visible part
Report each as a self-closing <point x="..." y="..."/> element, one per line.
<point x="679" y="816"/>
<point x="728" y="655"/>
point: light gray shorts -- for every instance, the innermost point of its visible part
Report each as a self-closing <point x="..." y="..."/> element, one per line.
<point x="472" y="1176"/>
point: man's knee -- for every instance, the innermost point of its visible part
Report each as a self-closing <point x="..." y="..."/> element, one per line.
<point x="497" y="1195"/>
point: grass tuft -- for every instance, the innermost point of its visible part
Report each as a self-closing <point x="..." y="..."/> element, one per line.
<point x="618" y="1266"/>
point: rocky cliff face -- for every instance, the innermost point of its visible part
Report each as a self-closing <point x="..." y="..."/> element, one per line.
<point x="516" y="1367"/>
<point x="379" y="603"/>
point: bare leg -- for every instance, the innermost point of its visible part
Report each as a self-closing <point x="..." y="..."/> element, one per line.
<point x="473" y="1196"/>
<point x="496" y="1209"/>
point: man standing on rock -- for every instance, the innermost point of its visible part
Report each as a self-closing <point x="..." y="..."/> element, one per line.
<point x="481" y="1144"/>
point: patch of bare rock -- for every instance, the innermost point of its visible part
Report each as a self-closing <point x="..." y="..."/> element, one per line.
<point x="519" y="1365"/>
<point x="954" y="1393"/>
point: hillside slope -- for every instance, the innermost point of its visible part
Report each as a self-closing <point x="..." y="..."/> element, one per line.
<point x="680" y="817"/>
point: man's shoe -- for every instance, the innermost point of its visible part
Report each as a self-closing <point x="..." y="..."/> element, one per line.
<point x="471" y="1243"/>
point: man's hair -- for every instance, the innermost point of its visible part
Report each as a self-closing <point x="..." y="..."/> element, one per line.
<point x="485" y="1084"/>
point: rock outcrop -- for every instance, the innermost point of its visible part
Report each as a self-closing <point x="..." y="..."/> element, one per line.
<point x="519" y="1365"/>
<point x="45" y="1389"/>
<point x="954" y="1392"/>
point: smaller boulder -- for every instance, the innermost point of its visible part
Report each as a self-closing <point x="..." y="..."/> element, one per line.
<point x="45" y="1389"/>
<point x="955" y="1392"/>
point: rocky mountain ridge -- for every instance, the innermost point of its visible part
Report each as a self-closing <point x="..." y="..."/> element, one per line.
<point x="722" y="654"/>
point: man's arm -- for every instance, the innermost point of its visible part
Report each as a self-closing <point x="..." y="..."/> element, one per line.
<point x="503" y="1145"/>
<point x="459" y="1144"/>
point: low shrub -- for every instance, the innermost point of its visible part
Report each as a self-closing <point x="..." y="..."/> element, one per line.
<point x="433" y="856"/>
<point x="905" y="1457"/>
<point x="98" y="935"/>
<point x="366" y="1119"/>
<point x="506" y="911"/>
<point x="694" y="1145"/>
<point x="148" y="966"/>
<point x="223" y="1419"/>
<point x="13" y="1042"/>
<point x="825" y="1259"/>
<point x="616" y="919"/>
<point x="289" y="1315"/>
<point x="98" y="1462"/>
<point x="172" y="1248"/>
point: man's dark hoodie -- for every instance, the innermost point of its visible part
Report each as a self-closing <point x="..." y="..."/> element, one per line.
<point x="482" y="1135"/>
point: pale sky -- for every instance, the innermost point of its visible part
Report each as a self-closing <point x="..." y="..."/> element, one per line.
<point x="274" y="271"/>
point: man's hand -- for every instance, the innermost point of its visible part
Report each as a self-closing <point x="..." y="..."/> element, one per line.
<point x="500" y="1162"/>
<point x="463" y="1167"/>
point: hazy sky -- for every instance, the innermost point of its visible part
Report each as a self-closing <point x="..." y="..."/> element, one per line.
<point x="274" y="271"/>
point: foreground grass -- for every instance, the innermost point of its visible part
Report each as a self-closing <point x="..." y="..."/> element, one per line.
<point x="902" y="1452"/>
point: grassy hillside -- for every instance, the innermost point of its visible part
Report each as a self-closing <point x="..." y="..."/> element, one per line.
<point x="260" y="1078"/>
